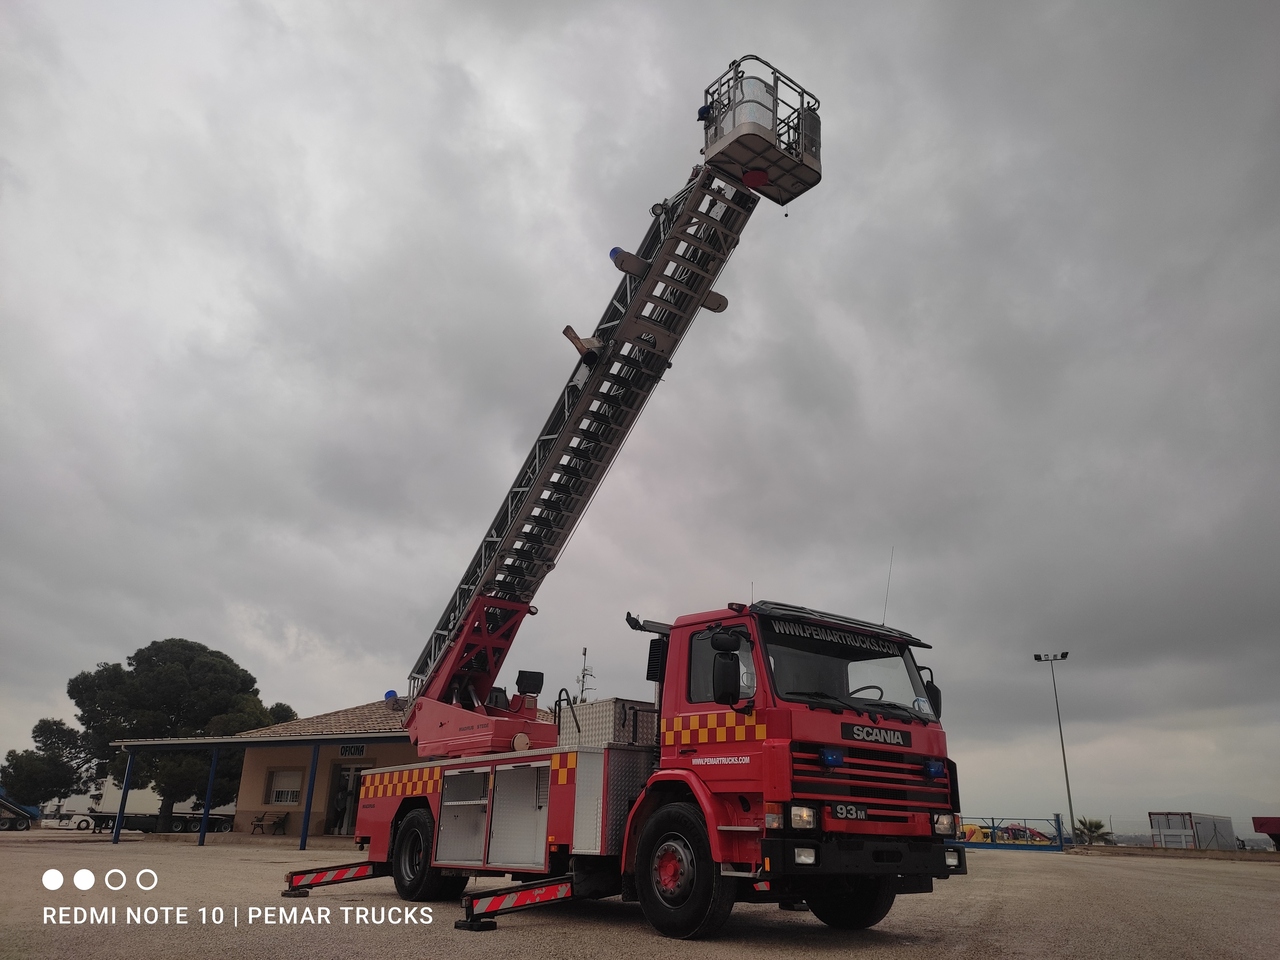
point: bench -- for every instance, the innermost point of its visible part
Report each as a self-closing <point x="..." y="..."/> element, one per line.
<point x="276" y="821"/>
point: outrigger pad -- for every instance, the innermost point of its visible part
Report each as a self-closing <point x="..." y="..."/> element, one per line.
<point x="475" y="925"/>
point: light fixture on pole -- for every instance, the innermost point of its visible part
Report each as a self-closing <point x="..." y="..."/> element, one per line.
<point x="1051" y="658"/>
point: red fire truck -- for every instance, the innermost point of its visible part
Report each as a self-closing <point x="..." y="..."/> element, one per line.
<point x="792" y="756"/>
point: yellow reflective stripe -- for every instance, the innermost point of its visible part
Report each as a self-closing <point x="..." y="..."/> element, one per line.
<point x="743" y="727"/>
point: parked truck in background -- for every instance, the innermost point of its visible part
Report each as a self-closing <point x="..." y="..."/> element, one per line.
<point x="14" y="815"/>
<point x="792" y="755"/>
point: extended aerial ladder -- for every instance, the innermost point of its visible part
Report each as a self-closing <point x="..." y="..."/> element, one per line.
<point x="762" y="138"/>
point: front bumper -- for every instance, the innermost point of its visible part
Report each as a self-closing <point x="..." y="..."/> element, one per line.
<point x="839" y="857"/>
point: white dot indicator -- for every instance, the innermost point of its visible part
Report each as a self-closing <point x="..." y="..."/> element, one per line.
<point x="154" y="879"/>
<point x="83" y="879"/>
<point x="52" y="879"/>
<point x="115" y="886"/>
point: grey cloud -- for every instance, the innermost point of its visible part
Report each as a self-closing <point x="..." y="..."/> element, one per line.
<point x="282" y="290"/>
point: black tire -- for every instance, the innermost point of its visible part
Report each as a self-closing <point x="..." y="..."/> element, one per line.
<point x="5" y="823"/>
<point x="83" y="824"/>
<point x="224" y="826"/>
<point x="411" y="868"/>
<point x="177" y="826"/>
<point x="852" y="903"/>
<point x="22" y="824"/>
<point x="680" y="887"/>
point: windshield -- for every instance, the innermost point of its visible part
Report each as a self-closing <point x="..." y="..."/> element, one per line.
<point x="814" y="663"/>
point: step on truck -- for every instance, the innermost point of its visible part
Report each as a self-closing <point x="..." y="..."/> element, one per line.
<point x="791" y="756"/>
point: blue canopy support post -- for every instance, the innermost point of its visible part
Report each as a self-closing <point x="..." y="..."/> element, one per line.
<point x="124" y="797"/>
<point x="311" y="789"/>
<point x="208" y="797"/>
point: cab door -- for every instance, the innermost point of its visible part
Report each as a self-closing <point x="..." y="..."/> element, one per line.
<point x="721" y="744"/>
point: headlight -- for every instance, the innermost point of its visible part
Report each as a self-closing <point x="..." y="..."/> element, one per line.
<point x="803" y="818"/>
<point x="773" y="816"/>
<point x="944" y="824"/>
<point x="807" y="856"/>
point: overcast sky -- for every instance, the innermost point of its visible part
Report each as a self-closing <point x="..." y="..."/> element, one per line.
<point x="281" y="292"/>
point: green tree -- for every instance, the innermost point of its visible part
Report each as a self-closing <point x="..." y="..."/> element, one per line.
<point x="170" y="688"/>
<point x="1092" y="831"/>
<point x="282" y="713"/>
<point x="61" y="764"/>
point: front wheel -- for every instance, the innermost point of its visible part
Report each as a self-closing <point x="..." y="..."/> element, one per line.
<point x="852" y="903"/>
<point x="415" y="878"/>
<point x="681" y="890"/>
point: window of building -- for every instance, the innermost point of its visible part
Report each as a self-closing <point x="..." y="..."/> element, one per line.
<point x="284" y="786"/>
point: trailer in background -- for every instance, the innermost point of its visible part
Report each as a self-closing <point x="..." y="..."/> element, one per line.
<point x="1270" y="826"/>
<point x="150" y="822"/>
<point x="97" y="811"/>
<point x="1192" y="831"/>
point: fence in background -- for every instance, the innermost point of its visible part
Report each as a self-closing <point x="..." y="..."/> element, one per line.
<point x="1012" y="833"/>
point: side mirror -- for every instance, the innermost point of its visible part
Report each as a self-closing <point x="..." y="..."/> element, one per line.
<point x="935" y="697"/>
<point x="726" y="678"/>
<point x="728" y="640"/>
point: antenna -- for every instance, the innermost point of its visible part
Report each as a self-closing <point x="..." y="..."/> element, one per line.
<point x="582" y="678"/>
<point x="885" y="616"/>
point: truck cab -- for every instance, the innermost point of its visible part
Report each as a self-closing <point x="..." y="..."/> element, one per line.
<point x="811" y="744"/>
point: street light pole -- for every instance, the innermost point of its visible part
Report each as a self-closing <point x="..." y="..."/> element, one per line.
<point x="1052" y="658"/>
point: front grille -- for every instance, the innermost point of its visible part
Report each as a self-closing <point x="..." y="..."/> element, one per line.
<point x="890" y="784"/>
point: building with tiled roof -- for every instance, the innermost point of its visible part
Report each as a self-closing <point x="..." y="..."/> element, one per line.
<point x="301" y="778"/>
<point x="278" y="768"/>
<point x="374" y="717"/>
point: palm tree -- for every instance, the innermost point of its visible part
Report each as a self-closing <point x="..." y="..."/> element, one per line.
<point x="1092" y="831"/>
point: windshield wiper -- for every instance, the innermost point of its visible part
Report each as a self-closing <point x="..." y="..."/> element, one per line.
<point x="898" y="709"/>
<point x="820" y="695"/>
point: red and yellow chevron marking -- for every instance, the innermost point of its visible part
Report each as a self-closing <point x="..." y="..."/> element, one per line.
<point x="401" y="783"/>
<point x="721" y="727"/>
<point x="563" y="768"/>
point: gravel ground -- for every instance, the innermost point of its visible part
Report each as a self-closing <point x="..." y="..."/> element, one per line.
<point x="1012" y="904"/>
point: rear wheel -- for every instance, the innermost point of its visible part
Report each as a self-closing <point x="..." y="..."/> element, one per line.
<point x="177" y="826"/>
<point x="852" y="903"/>
<point x="224" y="826"/>
<point x="21" y="824"/>
<point x="680" y="887"/>
<point x="411" y="866"/>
